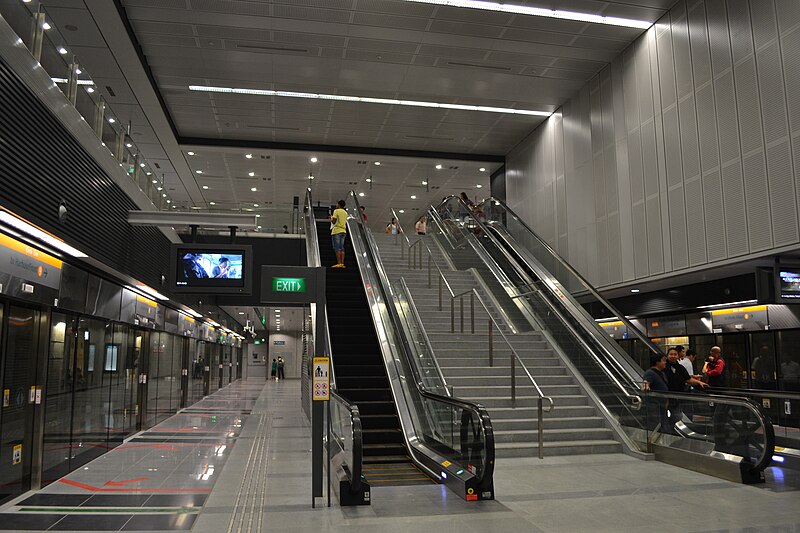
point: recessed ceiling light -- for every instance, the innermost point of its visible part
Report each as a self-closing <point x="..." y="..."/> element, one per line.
<point x="212" y="203"/>
<point x="377" y="163"/>
<point x="367" y="100"/>
<point x="142" y="165"/>
<point x="634" y="290"/>
<point x="160" y="188"/>
<point x="361" y="194"/>
<point x="164" y="195"/>
<point x="258" y="216"/>
<point x="402" y="211"/>
<point x="254" y="189"/>
<point x="62" y="51"/>
<point x="438" y="167"/>
<point x="251" y="174"/>
<point x="258" y="227"/>
<point x="479" y="186"/>
<point x="241" y="312"/>
<point x="173" y="207"/>
<point x="482" y="169"/>
<point x="90" y="90"/>
<point x="46" y="26"/>
<point x="190" y="153"/>
<point x="249" y="156"/>
<point x="313" y="159"/>
<point x="169" y="201"/>
<point x="205" y="187"/>
<point x="111" y="120"/>
<point x="255" y="205"/>
<point x="413" y="197"/>
<point x="277" y="310"/>
<point x="78" y="71"/>
<point x="198" y="171"/>
<point x="149" y="173"/>
<point x="129" y="145"/>
<point x="310" y="176"/>
<point x="369" y="180"/>
<point x="424" y="182"/>
<point x="538" y="12"/>
<point x="155" y="181"/>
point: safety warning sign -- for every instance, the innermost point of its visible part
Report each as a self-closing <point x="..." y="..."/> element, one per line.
<point x="321" y="379"/>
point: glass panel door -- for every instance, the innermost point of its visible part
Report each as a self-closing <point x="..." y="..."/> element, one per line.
<point x="19" y="362"/>
<point x="59" y="396"/>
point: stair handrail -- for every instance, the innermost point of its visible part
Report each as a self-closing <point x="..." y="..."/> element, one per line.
<point x="492" y="322"/>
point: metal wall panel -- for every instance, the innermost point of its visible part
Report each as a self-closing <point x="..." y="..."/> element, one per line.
<point x="683" y="152"/>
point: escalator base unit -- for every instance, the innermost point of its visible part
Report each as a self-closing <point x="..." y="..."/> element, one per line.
<point x="394" y="474"/>
<point x="717" y="464"/>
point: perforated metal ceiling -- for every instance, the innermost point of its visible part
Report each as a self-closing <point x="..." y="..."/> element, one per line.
<point x="378" y="48"/>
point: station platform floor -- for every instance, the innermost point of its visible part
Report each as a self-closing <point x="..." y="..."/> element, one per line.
<point x="239" y="461"/>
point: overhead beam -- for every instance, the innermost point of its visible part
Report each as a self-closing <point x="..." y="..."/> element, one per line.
<point x="203" y="142"/>
<point x="201" y="220"/>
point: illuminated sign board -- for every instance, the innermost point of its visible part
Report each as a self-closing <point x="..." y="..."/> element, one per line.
<point x="288" y="285"/>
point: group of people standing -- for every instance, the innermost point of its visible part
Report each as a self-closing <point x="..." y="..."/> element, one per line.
<point x="277" y="369"/>
<point x="675" y="372"/>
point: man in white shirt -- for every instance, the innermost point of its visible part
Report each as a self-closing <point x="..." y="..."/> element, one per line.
<point x="688" y="362"/>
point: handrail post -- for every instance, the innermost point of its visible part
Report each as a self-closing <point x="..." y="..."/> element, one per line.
<point x="513" y="380"/>
<point x="429" y="271"/>
<point x="440" y="291"/>
<point x="541" y="429"/>
<point x="491" y="343"/>
<point x="461" y="307"/>
<point x="452" y="315"/>
<point x="472" y="311"/>
<point x="410" y="253"/>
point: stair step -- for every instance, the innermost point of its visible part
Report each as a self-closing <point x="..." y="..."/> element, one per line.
<point x="555" y="434"/>
<point x="523" y="401"/>
<point x="556" y="448"/>
<point x="521" y="424"/>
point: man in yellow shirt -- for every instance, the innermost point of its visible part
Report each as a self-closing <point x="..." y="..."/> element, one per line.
<point x="339" y="232"/>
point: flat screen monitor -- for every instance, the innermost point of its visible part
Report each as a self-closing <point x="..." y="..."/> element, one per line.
<point x="220" y="268"/>
<point x="788" y="284"/>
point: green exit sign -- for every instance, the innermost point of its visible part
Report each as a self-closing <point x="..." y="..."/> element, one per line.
<point x="288" y="285"/>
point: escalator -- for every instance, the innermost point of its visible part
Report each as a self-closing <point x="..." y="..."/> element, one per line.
<point x="409" y="431"/>
<point x="360" y="373"/>
<point x="722" y="435"/>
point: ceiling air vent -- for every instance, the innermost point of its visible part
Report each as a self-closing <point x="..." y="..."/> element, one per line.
<point x="267" y="48"/>
<point x="476" y="65"/>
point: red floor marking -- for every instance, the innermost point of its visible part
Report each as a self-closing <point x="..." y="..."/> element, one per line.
<point x="92" y="488"/>
<point x="125" y="482"/>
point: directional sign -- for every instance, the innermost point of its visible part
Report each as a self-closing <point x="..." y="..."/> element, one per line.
<point x="322" y="379"/>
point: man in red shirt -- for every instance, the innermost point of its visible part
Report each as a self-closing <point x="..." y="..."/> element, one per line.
<point x="714" y="369"/>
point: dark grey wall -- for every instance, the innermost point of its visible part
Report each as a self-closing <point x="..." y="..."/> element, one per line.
<point x="41" y="165"/>
<point x="683" y="153"/>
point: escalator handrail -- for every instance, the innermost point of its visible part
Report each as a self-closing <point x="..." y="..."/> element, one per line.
<point x="313" y="259"/>
<point x="635" y="399"/>
<point x="358" y="439"/>
<point x="425" y="338"/>
<point x="488" y="313"/>
<point x="739" y="401"/>
<point x="487" y="468"/>
<point x="357" y="436"/>
<point x="587" y="286"/>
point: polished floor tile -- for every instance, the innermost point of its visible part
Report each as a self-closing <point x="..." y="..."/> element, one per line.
<point x="240" y="460"/>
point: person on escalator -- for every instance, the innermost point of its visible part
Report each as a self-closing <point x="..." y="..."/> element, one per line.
<point x="714" y="368"/>
<point x="654" y="379"/>
<point x="339" y="232"/>
<point x="677" y="380"/>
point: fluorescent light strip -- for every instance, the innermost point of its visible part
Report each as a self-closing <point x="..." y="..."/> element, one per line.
<point x="29" y="229"/>
<point x="729" y="304"/>
<point x="367" y="100"/>
<point x="538" y="12"/>
<point x="80" y="82"/>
